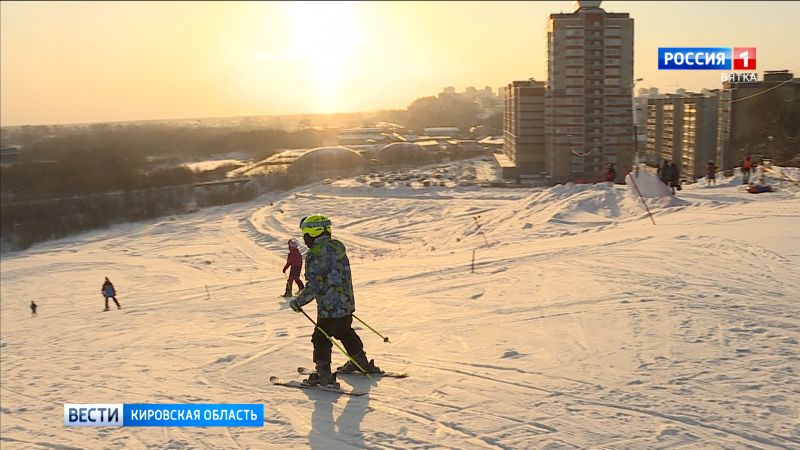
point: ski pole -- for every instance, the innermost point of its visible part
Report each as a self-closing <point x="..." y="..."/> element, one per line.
<point x="336" y="344"/>
<point x="643" y="200"/>
<point x="481" y="231"/>
<point x="385" y="339"/>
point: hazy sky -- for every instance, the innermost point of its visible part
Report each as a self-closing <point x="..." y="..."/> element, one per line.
<point x="74" y="62"/>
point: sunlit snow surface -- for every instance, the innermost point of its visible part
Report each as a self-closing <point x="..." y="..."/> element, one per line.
<point x="583" y="324"/>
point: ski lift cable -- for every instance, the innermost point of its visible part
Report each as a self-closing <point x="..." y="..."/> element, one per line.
<point x="764" y="91"/>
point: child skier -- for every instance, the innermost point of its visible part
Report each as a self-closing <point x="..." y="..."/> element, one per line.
<point x="295" y="261"/>
<point x="329" y="281"/>
<point x="109" y="292"/>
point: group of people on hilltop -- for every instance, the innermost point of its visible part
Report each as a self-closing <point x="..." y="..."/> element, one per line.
<point x="746" y="165"/>
<point x="670" y="175"/>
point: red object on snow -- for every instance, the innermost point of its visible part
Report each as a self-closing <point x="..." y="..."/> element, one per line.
<point x="753" y="189"/>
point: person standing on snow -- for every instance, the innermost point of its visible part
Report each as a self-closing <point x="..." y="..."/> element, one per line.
<point x="665" y="173"/>
<point x="109" y="292"/>
<point x="712" y="173"/>
<point x="675" y="180"/>
<point x="295" y="261"/>
<point x="329" y="281"/>
<point x="747" y="164"/>
<point x="611" y="173"/>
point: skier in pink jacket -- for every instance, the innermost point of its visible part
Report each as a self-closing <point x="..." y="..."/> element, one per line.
<point x="295" y="262"/>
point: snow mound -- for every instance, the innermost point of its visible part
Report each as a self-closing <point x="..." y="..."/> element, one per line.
<point x="571" y="208"/>
<point x="648" y="184"/>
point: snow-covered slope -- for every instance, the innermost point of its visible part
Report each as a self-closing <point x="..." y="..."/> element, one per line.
<point x="583" y="324"/>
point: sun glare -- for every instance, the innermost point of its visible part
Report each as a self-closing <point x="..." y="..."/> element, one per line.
<point x="324" y="36"/>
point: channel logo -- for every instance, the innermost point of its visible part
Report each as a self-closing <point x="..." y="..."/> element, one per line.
<point x="706" y="58"/>
<point x="163" y="415"/>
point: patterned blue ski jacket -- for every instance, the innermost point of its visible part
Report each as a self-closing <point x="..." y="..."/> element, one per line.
<point x="328" y="279"/>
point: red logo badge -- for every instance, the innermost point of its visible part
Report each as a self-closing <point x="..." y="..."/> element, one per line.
<point x="744" y="58"/>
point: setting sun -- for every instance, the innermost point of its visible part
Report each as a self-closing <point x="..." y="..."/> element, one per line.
<point x="323" y="37"/>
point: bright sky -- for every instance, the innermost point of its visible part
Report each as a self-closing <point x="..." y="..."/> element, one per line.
<point x="77" y="62"/>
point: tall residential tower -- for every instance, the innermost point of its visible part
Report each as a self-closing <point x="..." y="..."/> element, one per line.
<point x="589" y="112"/>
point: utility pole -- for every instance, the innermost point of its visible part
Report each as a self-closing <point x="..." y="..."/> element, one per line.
<point x="635" y="126"/>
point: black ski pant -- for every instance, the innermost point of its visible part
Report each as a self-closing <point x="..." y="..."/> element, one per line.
<point x="112" y="298"/>
<point x="340" y="328"/>
<point x="294" y="276"/>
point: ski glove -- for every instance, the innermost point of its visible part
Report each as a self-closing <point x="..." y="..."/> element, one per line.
<point x="295" y="306"/>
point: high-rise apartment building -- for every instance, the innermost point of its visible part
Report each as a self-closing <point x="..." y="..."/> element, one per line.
<point x="655" y="130"/>
<point x="523" y="128"/>
<point x="672" y="139"/>
<point x="699" y="135"/>
<point x="683" y="129"/>
<point x="589" y="117"/>
<point x="761" y="119"/>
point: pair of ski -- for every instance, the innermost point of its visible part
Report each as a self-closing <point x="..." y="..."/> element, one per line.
<point x="332" y="388"/>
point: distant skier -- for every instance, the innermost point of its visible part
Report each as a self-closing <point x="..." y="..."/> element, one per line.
<point x="329" y="281"/>
<point x="611" y="173"/>
<point x="109" y="292"/>
<point x="295" y="261"/>
<point x="33" y="308"/>
<point x="747" y="165"/>
<point x="712" y="173"/>
<point x="675" y="178"/>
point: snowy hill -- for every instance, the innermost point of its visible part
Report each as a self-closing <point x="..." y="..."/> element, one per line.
<point x="583" y="324"/>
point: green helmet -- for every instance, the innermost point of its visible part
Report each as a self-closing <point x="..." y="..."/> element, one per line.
<point x="315" y="225"/>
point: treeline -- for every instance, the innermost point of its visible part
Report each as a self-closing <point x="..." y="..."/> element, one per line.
<point x="434" y="111"/>
<point x="159" y="140"/>
<point x="72" y="179"/>
<point x="26" y="223"/>
<point x="105" y="158"/>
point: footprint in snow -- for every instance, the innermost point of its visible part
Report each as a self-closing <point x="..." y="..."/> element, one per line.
<point x="225" y="359"/>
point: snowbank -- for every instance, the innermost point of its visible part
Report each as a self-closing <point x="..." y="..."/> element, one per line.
<point x="648" y="184"/>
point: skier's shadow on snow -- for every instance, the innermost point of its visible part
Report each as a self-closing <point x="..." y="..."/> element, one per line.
<point x="345" y="431"/>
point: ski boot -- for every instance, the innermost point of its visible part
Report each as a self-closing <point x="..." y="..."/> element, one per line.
<point x="361" y="359"/>
<point x="322" y="377"/>
<point x="288" y="292"/>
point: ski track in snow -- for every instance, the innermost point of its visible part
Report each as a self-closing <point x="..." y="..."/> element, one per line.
<point x="583" y="325"/>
